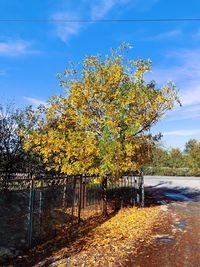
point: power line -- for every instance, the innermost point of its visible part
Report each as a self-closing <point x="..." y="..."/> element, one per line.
<point x="98" y="20"/>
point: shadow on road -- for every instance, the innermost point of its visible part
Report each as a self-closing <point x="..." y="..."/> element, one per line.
<point x="176" y="239"/>
<point x="156" y="195"/>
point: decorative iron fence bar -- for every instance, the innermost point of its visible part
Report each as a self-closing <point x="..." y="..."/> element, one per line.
<point x="30" y="215"/>
<point x="34" y="206"/>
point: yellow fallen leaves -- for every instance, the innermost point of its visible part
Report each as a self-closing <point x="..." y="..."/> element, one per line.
<point x="116" y="239"/>
<point x="97" y="241"/>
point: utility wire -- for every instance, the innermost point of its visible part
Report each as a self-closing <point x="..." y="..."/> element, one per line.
<point x="98" y="20"/>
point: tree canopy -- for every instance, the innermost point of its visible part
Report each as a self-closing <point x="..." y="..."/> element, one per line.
<point x="102" y="125"/>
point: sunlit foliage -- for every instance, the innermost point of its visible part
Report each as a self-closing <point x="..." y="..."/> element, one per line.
<point x="101" y="126"/>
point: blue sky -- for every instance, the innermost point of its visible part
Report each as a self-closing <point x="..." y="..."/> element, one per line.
<point x="31" y="54"/>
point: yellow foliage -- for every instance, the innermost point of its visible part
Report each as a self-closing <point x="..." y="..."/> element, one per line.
<point x="101" y="126"/>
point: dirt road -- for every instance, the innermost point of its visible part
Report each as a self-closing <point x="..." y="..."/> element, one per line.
<point x="177" y="243"/>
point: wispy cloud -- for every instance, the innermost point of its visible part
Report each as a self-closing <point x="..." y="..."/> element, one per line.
<point x="65" y="30"/>
<point x="165" y="35"/>
<point x="183" y="132"/>
<point x="16" y="47"/>
<point x="92" y="10"/>
<point x="196" y="35"/>
<point x="149" y="4"/>
<point x="35" y="101"/>
<point x="183" y="67"/>
<point x="184" y="70"/>
<point x="98" y="11"/>
<point x="184" y="113"/>
<point x="95" y="10"/>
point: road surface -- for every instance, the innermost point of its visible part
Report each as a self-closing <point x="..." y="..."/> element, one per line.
<point x="192" y="183"/>
<point x="177" y="242"/>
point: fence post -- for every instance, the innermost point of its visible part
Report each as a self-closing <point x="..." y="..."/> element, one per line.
<point x="104" y="197"/>
<point x="80" y="198"/>
<point x="137" y="189"/>
<point x="64" y="200"/>
<point x="142" y="188"/>
<point x="73" y="200"/>
<point x="30" y="215"/>
<point x="84" y="193"/>
<point x="40" y="207"/>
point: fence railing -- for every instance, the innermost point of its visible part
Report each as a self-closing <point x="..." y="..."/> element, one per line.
<point x="34" y="208"/>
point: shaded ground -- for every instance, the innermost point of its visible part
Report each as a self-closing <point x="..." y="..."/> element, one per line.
<point x="70" y="238"/>
<point x="172" y="239"/>
<point x="177" y="242"/>
<point x="101" y="243"/>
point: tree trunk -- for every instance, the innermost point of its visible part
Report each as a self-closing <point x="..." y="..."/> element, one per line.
<point x="104" y="197"/>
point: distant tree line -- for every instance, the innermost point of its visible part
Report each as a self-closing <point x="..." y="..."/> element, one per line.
<point x="174" y="161"/>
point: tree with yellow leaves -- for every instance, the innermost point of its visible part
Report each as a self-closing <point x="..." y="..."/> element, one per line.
<point x="101" y="127"/>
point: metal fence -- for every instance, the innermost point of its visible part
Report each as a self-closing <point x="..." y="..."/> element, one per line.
<point x="33" y="208"/>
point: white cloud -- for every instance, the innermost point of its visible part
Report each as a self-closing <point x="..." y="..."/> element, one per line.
<point x="101" y="9"/>
<point x="35" y="101"/>
<point x="91" y="10"/>
<point x="183" y="68"/>
<point x="165" y="35"/>
<point x="183" y="132"/>
<point x="65" y="30"/>
<point x="185" y="72"/>
<point x="196" y="35"/>
<point x="184" y="113"/>
<point x="16" y="47"/>
<point x="96" y="10"/>
<point x="191" y="95"/>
